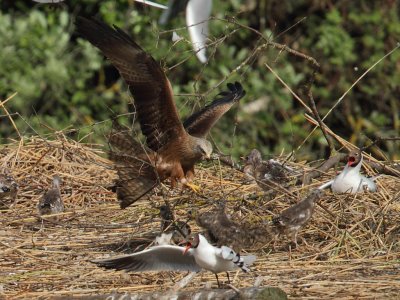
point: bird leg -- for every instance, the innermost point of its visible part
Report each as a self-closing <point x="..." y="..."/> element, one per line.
<point x="189" y="174"/>
<point x="304" y="241"/>
<point x="193" y="187"/>
<point x="14" y="198"/>
<point x="229" y="280"/>
<point x="172" y="182"/>
<point x="294" y="239"/>
<point x="216" y="276"/>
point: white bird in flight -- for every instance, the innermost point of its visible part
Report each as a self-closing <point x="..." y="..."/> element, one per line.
<point x="197" y="255"/>
<point x="197" y="14"/>
<point x="151" y="3"/>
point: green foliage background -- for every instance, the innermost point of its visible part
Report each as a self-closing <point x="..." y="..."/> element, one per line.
<point x="64" y="83"/>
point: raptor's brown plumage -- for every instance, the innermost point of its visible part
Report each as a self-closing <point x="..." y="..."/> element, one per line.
<point x="172" y="150"/>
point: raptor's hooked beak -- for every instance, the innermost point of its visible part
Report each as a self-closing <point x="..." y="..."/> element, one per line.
<point x="188" y="246"/>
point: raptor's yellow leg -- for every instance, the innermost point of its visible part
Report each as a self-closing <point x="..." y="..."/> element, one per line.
<point x="193" y="187"/>
<point x="186" y="182"/>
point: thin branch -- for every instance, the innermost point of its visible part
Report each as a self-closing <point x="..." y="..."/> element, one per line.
<point x="324" y="168"/>
<point x="2" y="104"/>
<point x="361" y="77"/>
<point x="308" y="109"/>
<point x="350" y="88"/>
<point x="316" y="114"/>
<point x="379" y="140"/>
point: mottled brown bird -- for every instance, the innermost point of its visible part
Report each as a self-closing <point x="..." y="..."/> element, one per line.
<point x="8" y="190"/>
<point x="291" y="220"/>
<point x="221" y="230"/>
<point x="268" y="174"/>
<point x="51" y="202"/>
<point x="172" y="148"/>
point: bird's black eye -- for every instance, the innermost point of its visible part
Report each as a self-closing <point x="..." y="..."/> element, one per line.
<point x="5" y="189"/>
<point x="202" y="151"/>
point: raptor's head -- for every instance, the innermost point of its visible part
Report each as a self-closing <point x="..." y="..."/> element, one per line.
<point x="203" y="148"/>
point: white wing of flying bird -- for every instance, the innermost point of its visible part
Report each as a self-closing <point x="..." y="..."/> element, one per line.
<point x="151" y="3"/>
<point x="197" y="255"/>
<point x="197" y="14"/>
<point x="48" y="1"/>
<point x="164" y="257"/>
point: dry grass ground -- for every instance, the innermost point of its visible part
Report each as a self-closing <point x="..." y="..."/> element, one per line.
<point x="352" y="252"/>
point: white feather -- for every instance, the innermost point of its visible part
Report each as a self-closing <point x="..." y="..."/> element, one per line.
<point x="197" y="14"/>
<point x="176" y="37"/>
<point x="351" y="181"/>
<point x="326" y="185"/>
<point x="48" y="1"/>
<point x="151" y="3"/>
<point x="164" y="239"/>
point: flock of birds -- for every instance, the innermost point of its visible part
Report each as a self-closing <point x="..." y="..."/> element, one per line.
<point x="172" y="149"/>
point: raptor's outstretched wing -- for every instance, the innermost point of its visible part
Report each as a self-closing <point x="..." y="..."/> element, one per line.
<point x="147" y="82"/>
<point x="200" y="123"/>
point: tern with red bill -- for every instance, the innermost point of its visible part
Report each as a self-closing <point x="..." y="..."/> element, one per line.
<point x="350" y="180"/>
<point x="197" y="255"/>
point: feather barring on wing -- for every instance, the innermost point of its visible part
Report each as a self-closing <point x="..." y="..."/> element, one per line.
<point x="172" y="148"/>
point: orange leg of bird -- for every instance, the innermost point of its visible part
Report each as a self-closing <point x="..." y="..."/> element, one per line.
<point x="193" y="187"/>
<point x="188" y="178"/>
<point x="174" y="172"/>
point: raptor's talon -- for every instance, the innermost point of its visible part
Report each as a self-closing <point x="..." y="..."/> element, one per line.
<point x="193" y="187"/>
